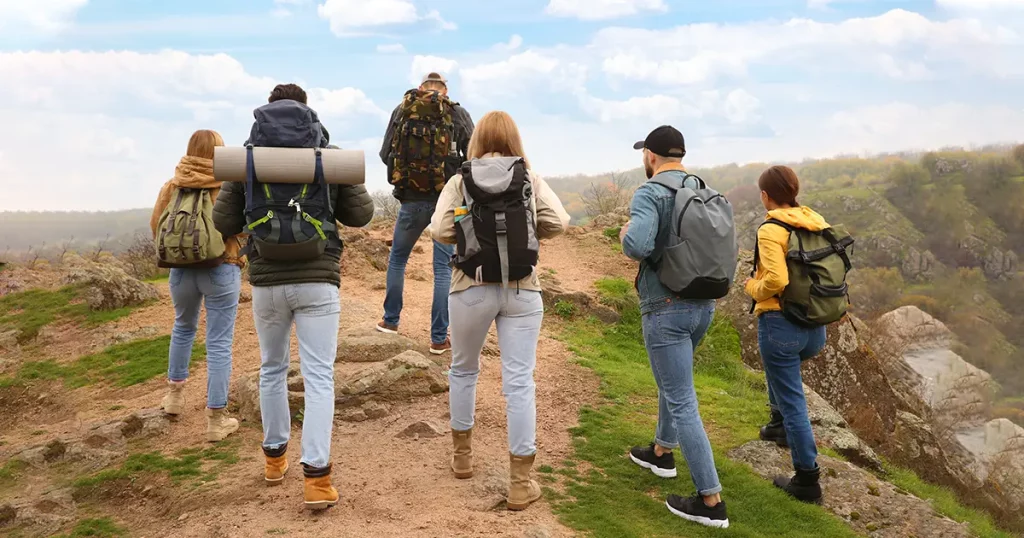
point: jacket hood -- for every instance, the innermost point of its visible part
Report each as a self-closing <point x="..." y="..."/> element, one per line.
<point x="195" y="173"/>
<point x="800" y="217"/>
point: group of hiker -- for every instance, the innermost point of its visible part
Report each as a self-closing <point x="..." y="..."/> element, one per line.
<point x="486" y="210"/>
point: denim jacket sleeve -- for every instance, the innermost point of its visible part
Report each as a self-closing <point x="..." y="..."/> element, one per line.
<point x="639" y="241"/>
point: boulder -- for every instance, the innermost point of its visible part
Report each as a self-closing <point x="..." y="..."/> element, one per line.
<point x="423" y="429"/>
<point x="368" y="411"/>
<point x="107" y="287"/>
<point x="831" y="430"/>
<point x="372" y="347"/>
<point x="100" y="444"/>
<point x="868" y="505"/>
<point x="408" y="375"/>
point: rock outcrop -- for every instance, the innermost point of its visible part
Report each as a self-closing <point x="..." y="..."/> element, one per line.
<point x="372" y="346"/>
<point x="583" y="303"/>
<point x="361" y="394"/>
<point x="869" y="505"/>
<point x="107" y="287"/>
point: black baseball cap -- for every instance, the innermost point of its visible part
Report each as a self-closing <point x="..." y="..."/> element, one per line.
<point x="666" y="141"/>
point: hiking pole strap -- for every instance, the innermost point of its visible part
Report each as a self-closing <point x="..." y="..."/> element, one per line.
<point x="501" y="229"/>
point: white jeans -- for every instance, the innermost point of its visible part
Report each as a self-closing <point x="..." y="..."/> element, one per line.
<point x="518" y="315"/>
<point x="315" y="309"/>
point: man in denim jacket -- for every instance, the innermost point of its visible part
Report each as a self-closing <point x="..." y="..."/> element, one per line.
<point x="673" y="328"/>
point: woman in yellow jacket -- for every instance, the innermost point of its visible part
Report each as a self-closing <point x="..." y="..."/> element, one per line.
<point x="783" y="344"/>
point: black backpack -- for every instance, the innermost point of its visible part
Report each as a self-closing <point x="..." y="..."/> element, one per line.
<point x="495" y="231"/>
<point x="288" y="221"/>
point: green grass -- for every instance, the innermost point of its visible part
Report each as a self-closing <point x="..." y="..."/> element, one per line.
<point x="123" y="365"/>
<point x="29" y="311"/>
<point x="193" y="465"/>
<point x="10" y="472"/>
<point x="564" y="309"/>
<point x="611" y="499"/>
<point x="944" y="501"/>
<point x="104" y="527"/>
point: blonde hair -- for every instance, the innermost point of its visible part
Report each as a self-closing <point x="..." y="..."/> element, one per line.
<point x="202" y="143"/>
<point x="496" y="132"/>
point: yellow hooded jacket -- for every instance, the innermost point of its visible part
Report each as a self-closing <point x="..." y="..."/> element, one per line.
<point x="772" y="276"/>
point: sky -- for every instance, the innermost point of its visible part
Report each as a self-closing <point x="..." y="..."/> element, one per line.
<point x="98" y="97"/>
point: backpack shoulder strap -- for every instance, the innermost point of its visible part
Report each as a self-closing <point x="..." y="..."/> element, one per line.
<point x="757" y="250"/>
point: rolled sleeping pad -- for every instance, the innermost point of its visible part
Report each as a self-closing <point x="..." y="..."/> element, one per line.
<point x="290" y="165"/>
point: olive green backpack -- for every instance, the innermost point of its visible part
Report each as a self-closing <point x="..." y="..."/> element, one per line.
<point x="185" y="235"/>
<point x="817" y="262"/>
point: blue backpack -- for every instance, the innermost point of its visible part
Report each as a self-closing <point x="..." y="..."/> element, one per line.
<point x="288" y="221"/>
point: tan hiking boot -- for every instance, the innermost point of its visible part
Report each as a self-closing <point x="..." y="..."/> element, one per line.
<point x="319" y="492"/>
<point x="174" y="402"/>
<point x="442" y="348"/>
<point x="275" y="470"/>
<point x="522" y="491"/>
<point x="219" y="425"/>
<point x="462" y="461"/>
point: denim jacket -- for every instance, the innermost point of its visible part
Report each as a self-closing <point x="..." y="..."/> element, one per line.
<point x="650" y="219"/>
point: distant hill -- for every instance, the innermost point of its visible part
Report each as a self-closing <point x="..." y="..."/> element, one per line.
<point x="50" y="230"/>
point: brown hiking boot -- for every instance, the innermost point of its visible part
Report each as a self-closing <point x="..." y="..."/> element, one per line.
<point x="386" y="328"/>
<point x="319" y="492"/>
<point x="174" y="402"/>
<point x="219" y="425"/>
<point x="277" y="465"/>
<point x="442" y="348"/>
<point x="522" y="491"/>
<point x="462" y="461"/>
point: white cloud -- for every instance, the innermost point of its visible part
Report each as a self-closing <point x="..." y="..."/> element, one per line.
<point x="391" y="48"/>
<point x="899" y="43"/>
<point x="348" y="17"/>
<point x="527" y="70"/>
<point x="421" y="65"/>
<point x="42" y="15"/>
<point x="981" y="4"/>
<point x="737" y="107"/>
<point x="108" y="127"/>
<point x="591" y="10"/>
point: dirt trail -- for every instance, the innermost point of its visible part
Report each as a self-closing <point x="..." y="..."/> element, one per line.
<point x="389" y="486"/>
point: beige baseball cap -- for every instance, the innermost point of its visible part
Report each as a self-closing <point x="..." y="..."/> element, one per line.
<point x="434" y="77"/>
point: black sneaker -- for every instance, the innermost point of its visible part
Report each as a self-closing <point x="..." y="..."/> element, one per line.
<point x="663" y="466"/>
<point x="693" y="509"/>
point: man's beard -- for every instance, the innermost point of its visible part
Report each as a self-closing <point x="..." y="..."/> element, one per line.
<point x="649" y="170"/>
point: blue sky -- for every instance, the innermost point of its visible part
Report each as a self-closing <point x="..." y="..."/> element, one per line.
<point x="99" y="96"/>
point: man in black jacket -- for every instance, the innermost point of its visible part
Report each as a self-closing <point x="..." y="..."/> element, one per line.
<point x="414" y="217"/>
<point x="306" y="293"/>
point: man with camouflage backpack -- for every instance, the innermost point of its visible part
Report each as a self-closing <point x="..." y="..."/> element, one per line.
<point x="424" y="146"/>
<point x="295" y="270"/>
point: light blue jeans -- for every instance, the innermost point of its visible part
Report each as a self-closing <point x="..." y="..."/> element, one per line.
<point x="218" y="287"/>
<point x="518" y="315"/>
<point x="671" y="336"/>
<point x="315" y="309"/>
<point x="413" y="218"/>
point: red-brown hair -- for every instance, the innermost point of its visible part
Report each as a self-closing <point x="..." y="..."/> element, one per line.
<point x="781" y="185"/>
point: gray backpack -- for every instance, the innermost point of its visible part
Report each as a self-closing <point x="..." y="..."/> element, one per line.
<point x="701" y="255"/>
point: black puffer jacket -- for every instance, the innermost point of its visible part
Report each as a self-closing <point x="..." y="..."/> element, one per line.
<point x="352" y="205"/>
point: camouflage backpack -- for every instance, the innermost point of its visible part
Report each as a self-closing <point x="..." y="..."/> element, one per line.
<point x="424" y="138"/>
<point x="185" y="235"/>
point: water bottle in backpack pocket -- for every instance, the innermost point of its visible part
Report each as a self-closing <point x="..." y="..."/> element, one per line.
<point x="700" y="257"/>
<point x="496" y="237"/>
<point x="289" y="221"/>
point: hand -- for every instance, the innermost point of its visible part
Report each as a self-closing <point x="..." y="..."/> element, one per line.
<point x="622" y="232"/>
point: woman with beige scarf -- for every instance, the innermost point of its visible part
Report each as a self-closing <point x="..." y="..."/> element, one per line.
<point x="217" y="286"/>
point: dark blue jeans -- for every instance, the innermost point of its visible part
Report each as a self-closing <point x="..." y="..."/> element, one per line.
<point x="413" y="218"/>
<point x="784" y="346"/>
<point x="671" y="336"/>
